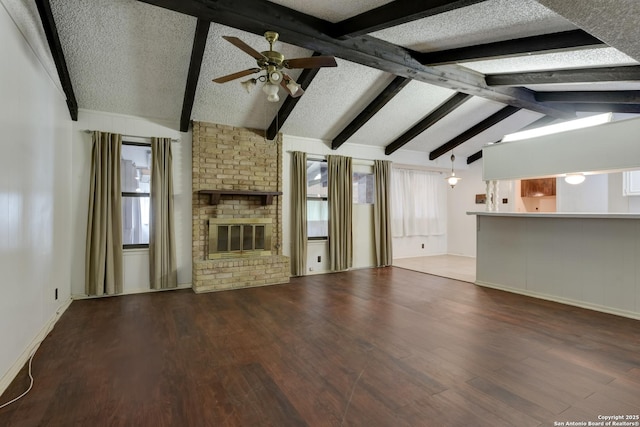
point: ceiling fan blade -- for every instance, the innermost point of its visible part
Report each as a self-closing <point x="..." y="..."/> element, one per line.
<point x="237" y="75"/>
<point x="284" y="82"/>
<point x="311" y="62"/>
<point x="244" y="47"/>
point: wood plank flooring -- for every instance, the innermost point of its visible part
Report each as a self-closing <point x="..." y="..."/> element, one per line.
<point x="378" y="347"/>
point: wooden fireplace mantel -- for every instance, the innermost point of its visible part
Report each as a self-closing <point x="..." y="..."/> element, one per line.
<point x="266" y="196"/>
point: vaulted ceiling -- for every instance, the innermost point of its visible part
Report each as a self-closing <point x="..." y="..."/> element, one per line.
<point x="428" y="76"/>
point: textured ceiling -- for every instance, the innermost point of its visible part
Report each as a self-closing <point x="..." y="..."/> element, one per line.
<point x="229" y="103"/>
<point x="334" y="99"/>
<point x="410" y="106"/>
<point x="332" y="10"/>
<point x="601" y="57"/>
<point x="129" y="57"/>
<point x="125" y="56"/>
<point x="613" y="21"/>
<point x="475" y="25"/>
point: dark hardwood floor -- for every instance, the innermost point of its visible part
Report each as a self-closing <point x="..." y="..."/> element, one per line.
<point x="379" y="347"/>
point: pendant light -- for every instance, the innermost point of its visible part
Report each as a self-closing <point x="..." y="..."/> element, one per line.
<point x="453" y="179"/>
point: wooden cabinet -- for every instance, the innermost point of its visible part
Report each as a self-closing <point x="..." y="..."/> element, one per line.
<point x="538" y="187"/>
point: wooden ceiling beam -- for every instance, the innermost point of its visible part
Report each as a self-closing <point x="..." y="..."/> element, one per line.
<point x="51" y="31"/>
<point x="395" y="13"/>
<point x="429" y="120"/>
<point x="582" y="75"/>
<point x="258" y="16"/>
<point x="473" y="131"/>
<point x="197" y="53"/>
<point x="566" y="40"/>
<point x="591" y="97"/>
<point x="542" y="121"/>
<point x="392" y="89"/>
<point x="304" y="80"/>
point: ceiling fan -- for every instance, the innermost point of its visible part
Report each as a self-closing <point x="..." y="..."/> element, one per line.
<point x="273" y="62"/>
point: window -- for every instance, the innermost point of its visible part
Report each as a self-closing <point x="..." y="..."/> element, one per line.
<point x="363" y="188"/>
<point x="317" y="204"/>
<point x="135" y="177"/>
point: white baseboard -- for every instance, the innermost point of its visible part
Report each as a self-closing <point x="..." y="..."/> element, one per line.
<point x="561" y="300"/>
<point x="133" y="292"/>
<point x="10" y="375"/>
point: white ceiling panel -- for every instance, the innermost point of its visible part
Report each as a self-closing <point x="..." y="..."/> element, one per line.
<point x="485" y="22"/>
<point x="331" y="10"/>
<point x="126" y="56"/>
<point x="407" y="108"/>
<point x="586" y="58"/>
<point x="586" y="86"/>
<point x="334" y="98"/>
<point x="459" y="120"/>
<point x="495" y="133"/>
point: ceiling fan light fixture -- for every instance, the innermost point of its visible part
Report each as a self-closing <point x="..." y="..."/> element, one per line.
<point x="272" y="92"/>
<point x="275" y="77"/>
<point x="248" y="85"/>
<point x="293" y="87"/>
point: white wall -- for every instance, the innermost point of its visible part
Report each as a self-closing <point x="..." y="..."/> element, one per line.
<point x="618" y="202"/>
<point x="590" y="196"/>
<point x="462" y="227"/>
<point x="35" y="183"/>
<point x="136" y="262"/>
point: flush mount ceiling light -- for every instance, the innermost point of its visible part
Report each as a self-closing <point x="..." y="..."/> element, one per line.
<point x="560" y="127"/>
<point x="574" y="178"/>
<point x="453" y="179"/>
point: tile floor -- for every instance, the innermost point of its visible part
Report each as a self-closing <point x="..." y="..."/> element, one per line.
<point x="451" y="266"/>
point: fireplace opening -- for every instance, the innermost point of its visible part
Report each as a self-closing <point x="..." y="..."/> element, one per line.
<point x="239" y="237"/>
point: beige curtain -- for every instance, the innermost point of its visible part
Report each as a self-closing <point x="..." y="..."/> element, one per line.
<point x="162" y="251"/>
<point x="298" y="213"/>
<point x="103" y="260"/>
<point x="381" y="213"/>
<point x="340" y="171"/>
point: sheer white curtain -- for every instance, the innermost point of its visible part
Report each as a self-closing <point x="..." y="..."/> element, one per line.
<point x="418" y="203"/>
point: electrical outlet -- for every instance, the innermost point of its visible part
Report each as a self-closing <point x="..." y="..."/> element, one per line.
<point x="56" y="294"/>
<point x="319" y="258"/>
<point x="505" y="201"/>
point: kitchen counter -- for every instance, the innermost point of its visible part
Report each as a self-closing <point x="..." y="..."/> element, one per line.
<point x="590" y="260"/>
<point x="559" y="214"/>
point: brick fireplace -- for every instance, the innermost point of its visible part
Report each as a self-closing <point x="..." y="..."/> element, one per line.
<point x="237" y="177"/>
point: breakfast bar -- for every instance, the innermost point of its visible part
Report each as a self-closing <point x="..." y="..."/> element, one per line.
<point x="590" y="260"/>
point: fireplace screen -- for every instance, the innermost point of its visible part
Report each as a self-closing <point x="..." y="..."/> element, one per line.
<point x="239" y="237"/>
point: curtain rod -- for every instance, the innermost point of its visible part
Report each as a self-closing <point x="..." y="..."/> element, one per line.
<point x="135" y="136"/>
<point x="324" y="156"/>
<point x="395" y="165"/>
